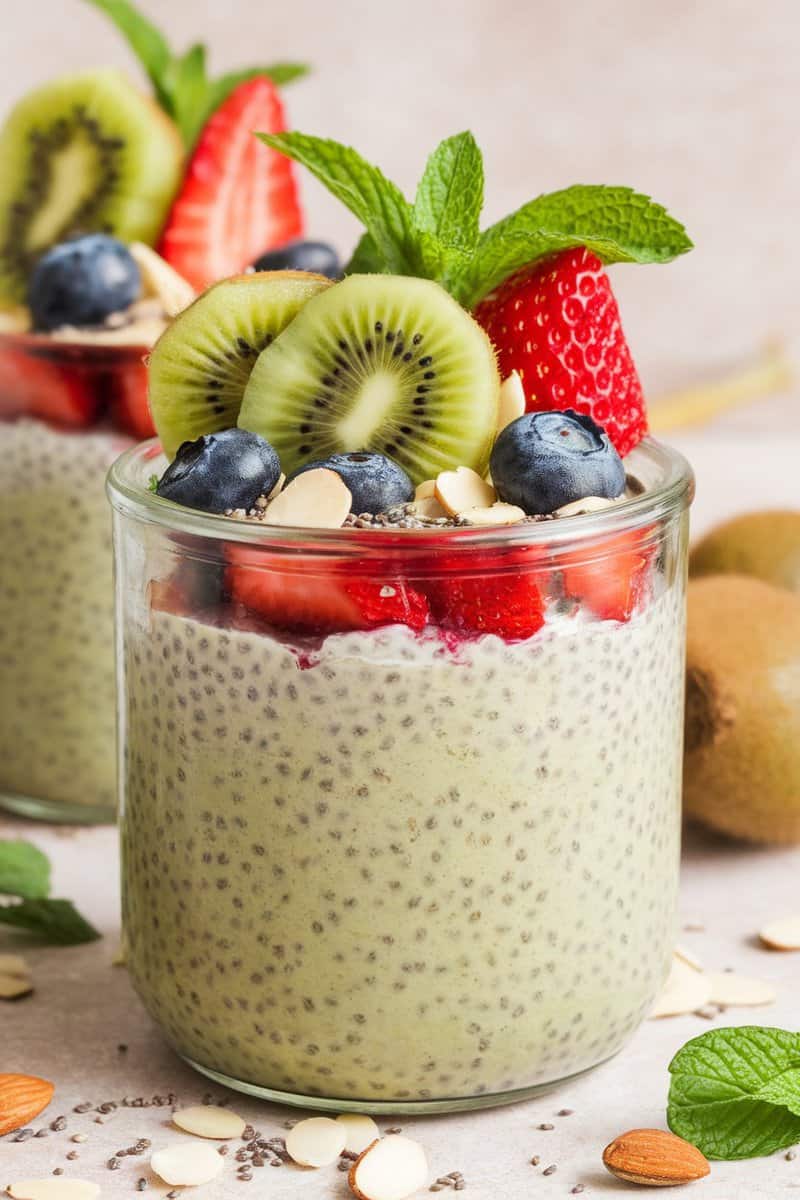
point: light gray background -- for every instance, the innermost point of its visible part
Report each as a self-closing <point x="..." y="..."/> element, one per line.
<point x="696" y="103"/>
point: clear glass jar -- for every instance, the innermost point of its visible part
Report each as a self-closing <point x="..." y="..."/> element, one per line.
<point x="397" y="868"/>
<point x="67" y="410"/>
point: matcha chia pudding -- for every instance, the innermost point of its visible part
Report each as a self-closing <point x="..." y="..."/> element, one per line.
<point x="401" y="633"/>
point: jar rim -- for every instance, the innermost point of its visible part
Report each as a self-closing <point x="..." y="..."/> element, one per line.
<point x="671" y="490"/>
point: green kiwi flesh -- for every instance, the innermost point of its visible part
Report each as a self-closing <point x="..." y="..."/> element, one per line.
<point x="390" y="364"/>
<point x="88" y="153"/>
<point x="200" y="365"/>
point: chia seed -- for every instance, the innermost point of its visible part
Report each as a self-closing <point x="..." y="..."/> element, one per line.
<point x="551" y="1170"/>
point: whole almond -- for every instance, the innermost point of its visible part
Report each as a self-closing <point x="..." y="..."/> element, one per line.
<point x="22" y="1097"/>
<point x="654" y="1158"/>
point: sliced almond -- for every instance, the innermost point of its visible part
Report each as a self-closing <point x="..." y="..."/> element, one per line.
<point x="316" y="499"/>
<point x="186" y="1164"/>
<point x="360" y="1131"/>
<point x="783" y="934"/>
<point x="209" y="1121"/>
<point x="733" y="990"/>
<point x="14" y="987"/>
<point x="496" y="514"/>
<point x="22" y="1097"/>
<point x="316" y="1142"/>
<point x="161" y="280"/>
<point x="512" y="401"/>
<point x="654" y="1158"/>
<point x="685" y="991"/>
<point x="390" y="1168"/>
<point x="54" y="1189"/>
<point x="13" y="964"/>
<point x="686" y="956"/>
<point x="428" y="507"/>
<point x="462" y="489"/>
<point x="278" y="486"/>
<point x="425" y="490"/>
<point x="588" y="504"/>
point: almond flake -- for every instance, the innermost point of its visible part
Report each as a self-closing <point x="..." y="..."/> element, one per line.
<point x="685" y="991"/>
<point x="390" y="1169"/>
<point x="686" y="956"/>
<point x="316" y="499"/>
<point x="209" y="1121"/>
<point x="512" y="401"/>
<point x="588" y="504"/>
<point x="425" y="490"/>
<point x="14" y="987"/>
<point x="316" y="1142"/>
<point x="278" y="486"/>
<point x="13" y="964"/>
<point x="185" y="1164"/>
<point x="361" y="1131"/>
<point x="161" y="280"/>
<point x="739" y="990"/>
<point x="783" y="934"/>
<point x="54" y="1189"/>
<point x="462" y="489"/>
<point x="496" y="514"/>
<point x="428" y="507"/>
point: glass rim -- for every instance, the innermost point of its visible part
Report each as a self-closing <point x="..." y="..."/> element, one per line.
<point x="673" y="492"/>
<point x="62" y="349"/>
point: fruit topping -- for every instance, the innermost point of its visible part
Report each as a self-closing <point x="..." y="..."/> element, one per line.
<point x="128" y="403"/>
<point x="221" y="471"/>
<point x="82" y="281"/>
<point x="86" y="153"/>
<point x="512" y="401"/>
<point x="489" y="599"/>
<point x="544" y="460"/>
<point x="56" y="391"/>
<point x="318" y="257"/>
<point x="610" y="577"/>
<point x="557" y="324"/>
<point x="160" y="281"/>
<point x="318" y="499"/>
<point x="379" y="363"/>
<point x="373" y="480"/>
<point x="199" y="367"/>
<point x="239" y="197"/>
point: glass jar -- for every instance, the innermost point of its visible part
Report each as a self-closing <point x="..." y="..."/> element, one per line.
<point x="412" y="867"/>
<point x="67" y="410"/>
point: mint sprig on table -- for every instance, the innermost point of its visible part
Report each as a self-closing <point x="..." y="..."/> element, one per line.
<point x="439" y="237"/>
<point x="25" y="881"/>
<point x="735" y="1093"/>
<point x="181" y="82"/>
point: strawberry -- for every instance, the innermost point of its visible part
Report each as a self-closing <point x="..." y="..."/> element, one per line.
<point x="611" y="578"/>
<point x="239" y="197"/>
<point x="313" y="603"/>
<point x="53" y="389"/>
<point x="129" y="406"/>
<point x="490" y="601"/>
<point x="557" y="324"/>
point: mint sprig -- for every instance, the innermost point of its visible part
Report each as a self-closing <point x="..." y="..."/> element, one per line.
<point x="735" y="1093"/>
<point x="438" y="236"/>
<point x="25" y="880"/>
<point x="181" y="82"/>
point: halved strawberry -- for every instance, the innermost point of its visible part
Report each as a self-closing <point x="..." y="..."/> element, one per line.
<point x="239" y="197"/>
<point x="314" y="603"/>
<point x="557" y="324"/>
<point x="57" y="391"/>
<point x="129" y="406"/>
<point x="611" y="578"/>
<point x="485" y="597"/>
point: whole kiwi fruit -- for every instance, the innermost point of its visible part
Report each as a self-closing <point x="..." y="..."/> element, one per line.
<point x="742" y="760"/>
<point x="763" y="544"/>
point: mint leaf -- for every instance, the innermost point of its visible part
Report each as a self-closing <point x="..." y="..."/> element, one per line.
<point x="450" y="194"/>
<point x="365" y="190"/>
<point x="56" y="921"/>
<point x="616" y="223"/>
<point x="365" y="259"/>
<point x="152" y="483"/>
<point x="24" y="870"/>
<point x="735" y="1093"/>
<point x="146" y="42"/>
<point x="188" y="89"/>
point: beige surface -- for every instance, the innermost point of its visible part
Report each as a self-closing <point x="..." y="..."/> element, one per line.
<point x="696" y="103"/>
<point x="83" y="1009"/>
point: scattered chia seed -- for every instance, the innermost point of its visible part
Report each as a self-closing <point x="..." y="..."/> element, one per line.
<point x="535" y="1160"/>
<point x="59" y="1124"/>
<point x="291" y="1123"/>
<point x="790" y="1155"/>
<point x="23" y="1135"/>
<point x="350" y="1155"/>
<point x="73" y="1154"/>
<point x="545" y="1126"/>
<point x="576" y="1191"/>
<point x="342" y="1165"/>
<point x="41" y="1133"/>
<point x="551" y="1170"/>
<point x="79" y="1137"/>
<point x="276" y="1162"/>
<point x="173" y="1195"/>
<point x="122" y="1048"/>
<point x="141" y="1184"/>
<point x="248" y="1133"/>
<point x="565" y="1112"/>
<point x="223" y="1150"/>
<point x="58" y="1170"/>
<point x="395" y="1129"/>
<point x="245" y="1175"/>
<point x="459" y="1185"/>
<point x="113" y="1164"/>
<point x="82" y="1108"/>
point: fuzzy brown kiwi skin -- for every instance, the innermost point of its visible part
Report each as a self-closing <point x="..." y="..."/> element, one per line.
<point x="742" y="749"/>
<point x="763" y="544"/>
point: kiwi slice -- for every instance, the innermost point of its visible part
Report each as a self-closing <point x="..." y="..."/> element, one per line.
<point x="385" y="363"/>
<point x="84" y="154"/>
<point x="200" y="365"/>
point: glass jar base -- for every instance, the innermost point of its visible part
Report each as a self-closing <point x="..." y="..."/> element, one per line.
<point x="419" y="1108"/>
<point x="57" y="812"/>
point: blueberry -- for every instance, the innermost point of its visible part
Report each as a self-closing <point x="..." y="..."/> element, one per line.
<point x="302" y="256"/>
<point x="546" y="459"/>
<point x="82" y="281"/>
<point x="375" y="482"/>
<point x="223" y="470"/>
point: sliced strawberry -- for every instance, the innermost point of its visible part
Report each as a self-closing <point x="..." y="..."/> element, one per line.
<point x="557" y="324"/>
<point x="56" y="391"/>
<point x="490" y="601"/>
<point x="610" y="579"/>
<point x="129" y="406"/>
<point x="239" y="197"/>
<point x="314" y="603"/>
